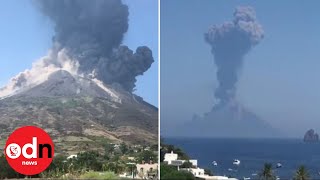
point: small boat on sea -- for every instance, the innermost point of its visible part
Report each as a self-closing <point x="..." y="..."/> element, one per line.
<point x="214" y="163"/>
<point x="232" y="170"/>
<point x="236" y="162"/>
<point x="279" y="165"/>
<point x="254" y="174"/>
<point x="246" y="178"/>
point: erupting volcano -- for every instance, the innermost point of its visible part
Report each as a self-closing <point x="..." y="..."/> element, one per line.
<point x="84" y="85"/>
<point x="230" y="42"/>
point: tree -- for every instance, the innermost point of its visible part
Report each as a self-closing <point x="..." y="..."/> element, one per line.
<point x="88" y="161"/>
<point x="57" y="168"/>
<point x="147" y="156"/>
<point x="124" y="148"/>
<point x="170" y="172"/>
<point x="168" y="148"/>
<point x="187" y="164"/>
<point x="301" y="173"/>
<point x="208" y="171"/>
<point x="6" y="171"/>
<point x="266" y="173"/>
<point x="109" y="148"/>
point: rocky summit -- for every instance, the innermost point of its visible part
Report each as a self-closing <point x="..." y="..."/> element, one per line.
<point x="80" y="113"/>
<point x="311" y="136"/>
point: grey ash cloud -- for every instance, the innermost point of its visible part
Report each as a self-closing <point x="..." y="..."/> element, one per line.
<point x="92" y="31"/>
<point x="230" y="42"/>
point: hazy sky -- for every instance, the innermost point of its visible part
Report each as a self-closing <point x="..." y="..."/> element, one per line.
<point x="280" y="77"/>
<point x="25" y="36"/>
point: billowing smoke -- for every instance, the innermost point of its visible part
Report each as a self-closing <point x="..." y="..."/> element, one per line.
<point x="91" y="31"/>
<point x="40" y="71"/>
<point x="88" y="33"/>
<point x="230" y="42"/>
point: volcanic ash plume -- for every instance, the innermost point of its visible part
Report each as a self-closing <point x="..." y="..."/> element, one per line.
<point x="89" y="33"/>
<point x="40" y="72"/>
<point x="229" y="44"/>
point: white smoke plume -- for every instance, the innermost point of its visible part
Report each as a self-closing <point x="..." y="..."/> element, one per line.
<point x="40" y="71"/>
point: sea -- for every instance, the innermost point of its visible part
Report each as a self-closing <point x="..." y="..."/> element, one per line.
<point x="253" y="154"/>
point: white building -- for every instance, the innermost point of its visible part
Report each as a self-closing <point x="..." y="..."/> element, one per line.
<point x="195" y="171"/>
<point x="207" y="177"/>
<point x="172" y="159"/>
<point x="169" y="157"/>
<point x="199" y="174"/>
<point x="194" y="162"/>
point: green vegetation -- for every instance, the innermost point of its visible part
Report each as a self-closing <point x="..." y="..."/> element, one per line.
<point x="90" y="164"/>
<point x="6" y="171"/>
<point x="301" y="174"/>
<point x="171" y="172"/>
<point x="186" y="164"/>
<point x="166" y="148"/>
<point x="99" y="175"/>
<point x="267" y="173"/>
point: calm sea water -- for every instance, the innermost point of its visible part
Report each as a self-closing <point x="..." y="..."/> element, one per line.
<point x="252" y="153"/>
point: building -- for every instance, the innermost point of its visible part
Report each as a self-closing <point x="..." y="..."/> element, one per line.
<point x="144" y="171"/>
<point x="195" y="171"/>
<point x="207" y="177"/>
<point x="172" y="159"/>
<point x="194" y="162"/>
<point x="169" y="157"/>
<point x="199" y="174"/>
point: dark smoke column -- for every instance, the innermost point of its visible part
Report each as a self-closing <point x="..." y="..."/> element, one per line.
<point x="92" y="31"/>
<point x="230" y="42"/>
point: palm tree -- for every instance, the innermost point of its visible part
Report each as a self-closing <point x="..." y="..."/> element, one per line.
<point x="266" y="173"/>
<point x="301" y="174"/>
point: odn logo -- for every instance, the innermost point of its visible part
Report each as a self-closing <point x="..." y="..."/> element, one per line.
<point x="29" y="150"/>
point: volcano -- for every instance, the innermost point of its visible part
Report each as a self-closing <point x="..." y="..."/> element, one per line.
<point x="80" y="112"/>
<point x="230" y="120"/>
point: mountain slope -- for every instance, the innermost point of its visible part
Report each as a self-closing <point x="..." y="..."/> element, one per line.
<point x="228" y="121"/>
<point x="74" y="107"/>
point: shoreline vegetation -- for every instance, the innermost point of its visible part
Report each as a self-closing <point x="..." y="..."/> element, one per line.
<point x="172" y="172"/>
<point x="118" y="161"/>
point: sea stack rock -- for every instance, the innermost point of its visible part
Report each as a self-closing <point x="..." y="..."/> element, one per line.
<point x="311" y="136"/>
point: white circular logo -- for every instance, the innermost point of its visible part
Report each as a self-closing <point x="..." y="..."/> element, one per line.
<point x="13" y="151"/>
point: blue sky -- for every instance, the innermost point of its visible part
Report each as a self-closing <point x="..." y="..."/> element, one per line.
<point x="280" y="77"/>
<point x="26" y="36"/>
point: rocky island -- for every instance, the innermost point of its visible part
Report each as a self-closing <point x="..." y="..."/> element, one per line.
<point x="311" y="136"/>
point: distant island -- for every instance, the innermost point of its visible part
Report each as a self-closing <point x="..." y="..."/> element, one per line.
<point x="311" y="136"/>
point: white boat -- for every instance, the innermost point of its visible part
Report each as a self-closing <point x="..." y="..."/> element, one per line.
<point x="279" y="165"/>
<point x="214" y="163"/>
<point x="236" y="162"/>
<point x="246" y="178"/>
<point x="232" y="170"/>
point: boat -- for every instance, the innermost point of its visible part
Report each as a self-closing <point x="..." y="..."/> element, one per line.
<point x="246" y="178"/>
<point x="214" y="163"/>
<point x="232" y="170"/>
<point x="279" y="165"/>
<point x="236" y="162"/>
